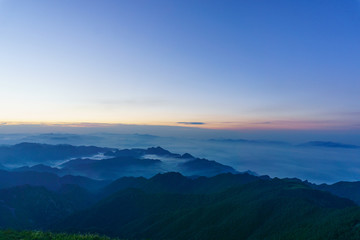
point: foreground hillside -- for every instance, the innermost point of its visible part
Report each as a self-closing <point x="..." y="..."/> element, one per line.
<point x="172" y="206"/>
<point x="36" y="207"/>
<point x="37" y="235"/>
<point x="265" y="209"/>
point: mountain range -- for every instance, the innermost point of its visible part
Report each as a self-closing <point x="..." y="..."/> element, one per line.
<point x="172" y="206"/>
<point x="133" y="194"/>
<point x="104" y="163"/>
<point x="35" y="153"/>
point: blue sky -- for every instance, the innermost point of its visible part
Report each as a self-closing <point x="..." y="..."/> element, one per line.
<point x="255" y="64"/>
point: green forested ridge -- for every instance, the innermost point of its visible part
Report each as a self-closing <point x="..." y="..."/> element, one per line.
<point x="38" y="235"/>
<point x="271" y="209"/>
<point x="171" y="206"/>
<point x="27" y="207"/>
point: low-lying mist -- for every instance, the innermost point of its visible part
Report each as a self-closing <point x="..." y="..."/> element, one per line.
<point x="319" y="162"/>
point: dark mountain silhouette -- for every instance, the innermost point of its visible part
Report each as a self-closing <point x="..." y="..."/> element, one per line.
<point x="38" y="168"/>
<point x="172" y="206"/>
<point x="48" y="180"/>
<point x="32" y="207"/>
<point x="112" y="168"/>
<point x="174" y="182"/>
<point x="265" y="209"/>
<point x="137" y="152"/>
<point x="35" y="153"/>
<point x="328" y="145"/>
<point x="158" y="151"/>
<point x="204" y="167"/>
<point x="114" y="164"/>
<point x="11" y="179"/>
<point x="204" y="200"/>
<point x="350" y="190"/>
<point x="239" y="140"/>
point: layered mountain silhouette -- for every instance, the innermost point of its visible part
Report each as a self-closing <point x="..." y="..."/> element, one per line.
<point x="263" y="209"/>
<point x="113" y="163"/>
<point x="133" y="194"/>
<point x="329" y="145"/>
<point x="172" y="206"/>
<point x="35" y="153"/>
<point x="48" y="180"/>
<point x="30" y="207"/>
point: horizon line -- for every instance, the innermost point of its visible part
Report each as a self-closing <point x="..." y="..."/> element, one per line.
<point x="234" y="126"/>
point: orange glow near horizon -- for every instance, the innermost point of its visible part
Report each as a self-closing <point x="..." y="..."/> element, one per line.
<point x="245" y="125"/>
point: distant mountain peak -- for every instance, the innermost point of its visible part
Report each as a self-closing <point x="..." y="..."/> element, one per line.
<point x="157" y="150"/>
<point x="168" y="175"/>
<point x="187" y="156"/>
<point x="328" y="144"/>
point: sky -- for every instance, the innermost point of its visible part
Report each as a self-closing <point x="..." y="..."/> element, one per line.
<point x="249" y="64"/>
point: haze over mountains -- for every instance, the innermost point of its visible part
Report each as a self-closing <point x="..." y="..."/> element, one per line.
<point x="199" y="120"/>
<point x="305" y="158"/>
<point x="65" y="182"/>
<point x="154" y="193"/>
<point x="104" y="163"/>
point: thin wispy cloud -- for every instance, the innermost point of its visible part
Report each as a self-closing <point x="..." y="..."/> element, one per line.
<point x="192" y="123"/>
<point x="263" y="122"/>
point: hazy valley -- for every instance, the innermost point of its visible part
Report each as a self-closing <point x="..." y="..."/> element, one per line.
<point x="154" y="193"/>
